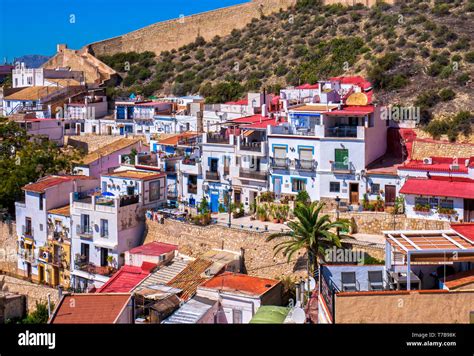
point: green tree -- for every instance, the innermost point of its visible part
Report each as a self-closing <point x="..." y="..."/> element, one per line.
<point x="39" y="316"/>
<point x="311" y="231"/>
<point x="24" y="159"/>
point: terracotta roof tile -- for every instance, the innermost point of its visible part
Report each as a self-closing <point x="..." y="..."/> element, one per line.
<point x="190" y="278"/>
<point x="32" y="93"/>
<point x="240" y="283"/>
<point x="50" y="181"/>
<point x="154" y="248"/>
<point x="130" y="174"/>
<point x="90" y="308"/>
<point x="109" y="149"/>
<point x="64" y="211"/>
<point x="459" y="279"/>
<point x="175" y="139"/>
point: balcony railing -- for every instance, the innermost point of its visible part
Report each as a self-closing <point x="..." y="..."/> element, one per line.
<point x="189" y="161"/>
<point x="81" y="261"/>
<point x="84" y="231"/>
<point x="93" y="269"/>
<point x="147" y="160"/>
<point x="341" y="131"/>
<point x="252" y="147"/>
<point x="28" y="255"/>
<point x="281" y="163"/>
<point x="129" y="200"/>
<point x="305" y="164"/>
<point x="250" y="174"/>
<point x="27" y="231"/>
<point x="216" y="138"/>
<point x="342" y="167"/>
<point x="210" y="175"/>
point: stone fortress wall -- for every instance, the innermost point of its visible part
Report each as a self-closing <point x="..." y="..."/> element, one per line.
<point x="172" y="34"/>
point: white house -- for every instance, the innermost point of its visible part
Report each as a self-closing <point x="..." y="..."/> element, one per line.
<point x="32" y="217"/>
<point x="240" y="295"/>
<point x="109" y="223"/>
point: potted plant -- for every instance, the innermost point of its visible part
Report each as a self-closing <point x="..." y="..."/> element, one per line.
<point x="422" y="208"/>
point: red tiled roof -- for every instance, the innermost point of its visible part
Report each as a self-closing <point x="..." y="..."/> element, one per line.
<point x="438" y="186"/>
<point x="249" y="119"/>
<point x="356" y="80"/>
<point x="175" y="139"/>
<point x="90" y="308"/>
<point x="465" y="229"/>
<point x="459" y="279"/>
<point x="440" y="164"/>
<point x="241" y="283"/>
<point x="153" y="249"/>
<point x="238" y="102"/>
<point x="126" y="278"/>
<point x="50" y="181"/>
<point x="308" y="86"/>
<point x="352" y="110"/>
<point x="263" y="124"/>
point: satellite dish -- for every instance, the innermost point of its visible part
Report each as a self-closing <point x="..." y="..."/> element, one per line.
<point x="297" y="316"/>
<point x="312" y="284"/>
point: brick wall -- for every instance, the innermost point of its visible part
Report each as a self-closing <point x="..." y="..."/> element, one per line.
<point x="168" y="35"/>
<point x="422" y="149"/>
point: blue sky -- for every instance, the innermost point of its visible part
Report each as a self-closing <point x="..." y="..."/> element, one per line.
<point x="36" y="26"/>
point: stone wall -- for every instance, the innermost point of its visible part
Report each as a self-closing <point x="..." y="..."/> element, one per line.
<point x="172" y="34"/>
<point x="376" y="222"/>
<point x="195" y="240"/>
<point x="34" y="292"/>
<point x="258" y="254"/>
<point x="8" y="247"/>
<point x="422" y="149"/>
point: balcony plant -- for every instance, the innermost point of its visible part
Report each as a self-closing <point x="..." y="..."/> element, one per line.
<point x="446" y="211"/>
<point x="422" y="208"/>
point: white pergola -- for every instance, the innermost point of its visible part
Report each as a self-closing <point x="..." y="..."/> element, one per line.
<point x="427" y="245"/>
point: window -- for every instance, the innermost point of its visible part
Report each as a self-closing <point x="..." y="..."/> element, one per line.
<point x="298" y="184"/>
<point x="85" y="251"/>
<point x="306" y="154"/>
<point x="375" y="189"/>
<point x="434" y="202"/>
<point x="279" y="152"/>
<point x="334" y="187"/>
<point x="41" y="227"/>
<point x="236" y="316"/>
<point x="104" y="254"/>
<point x="421" y="201"/>
<point x="446" y="204"/>
<point x="41" y="201"/>
<point x="155" y="192"/>
<point x="29" y="80"/>
<point x="104" y="228"/>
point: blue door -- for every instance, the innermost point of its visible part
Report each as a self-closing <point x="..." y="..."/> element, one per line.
<point x="121" y="131"/>
<point x="215" y="201"/>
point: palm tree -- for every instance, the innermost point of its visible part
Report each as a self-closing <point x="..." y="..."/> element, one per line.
<point x="311" y="231"/>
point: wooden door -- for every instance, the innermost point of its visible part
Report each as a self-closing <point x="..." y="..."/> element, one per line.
<point x="390" y="194"/>
<point x="354" y="193"/>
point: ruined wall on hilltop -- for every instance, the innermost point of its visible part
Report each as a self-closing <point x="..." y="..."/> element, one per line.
<point x="172" y="34"/>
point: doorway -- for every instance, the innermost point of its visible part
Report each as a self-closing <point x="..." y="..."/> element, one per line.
<point x="354" y="193"/>
<point x="41" y="273"/>
<point x="390" y="194"/>
<point x="468" y="210"/>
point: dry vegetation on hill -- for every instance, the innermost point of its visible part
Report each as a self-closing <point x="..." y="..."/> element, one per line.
<point x="417" y="52"/>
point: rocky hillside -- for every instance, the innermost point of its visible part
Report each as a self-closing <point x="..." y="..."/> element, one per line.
<point x="418" y="52"/>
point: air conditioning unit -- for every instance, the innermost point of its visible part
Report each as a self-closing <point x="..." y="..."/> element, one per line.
<point x="427" y="160"/>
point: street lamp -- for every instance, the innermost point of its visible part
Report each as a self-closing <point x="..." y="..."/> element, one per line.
<point x="229" y="202"/>
<point x="338" y="201"/>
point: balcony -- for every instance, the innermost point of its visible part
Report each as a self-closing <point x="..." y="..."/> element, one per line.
<point x="91" y="268"/>
<point x="307" y="165"/>
<point x="217" y="138"/>
<point x="129" y="200"/>
<point x="279" y="163"/>
<point x="252" y="147"/>
<point x="210" y="175"/>
<point x="341" y="131"/>
<point x="251" y="174"/>
<point x="28" y="255"/>
<point x="342" y="167"/>
<point x="27" y="231"/>
<point x="84" y="231"/>
<point x="147" y="160"/>
<point x="81" y="261"/>
<point x="190" y="166"/>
